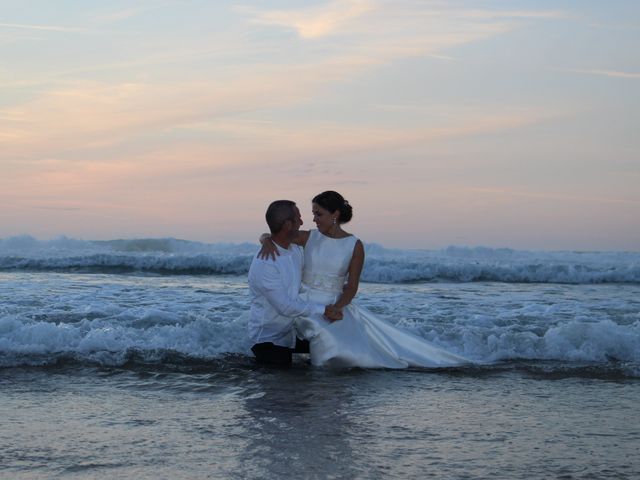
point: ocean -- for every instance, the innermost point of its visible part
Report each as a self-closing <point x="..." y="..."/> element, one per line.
<point x="129" y="359"/>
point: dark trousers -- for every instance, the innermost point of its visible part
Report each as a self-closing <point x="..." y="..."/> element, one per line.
<point x="269" y="354"/>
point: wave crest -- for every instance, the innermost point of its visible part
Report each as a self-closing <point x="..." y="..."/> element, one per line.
<point x="454" y="264"/>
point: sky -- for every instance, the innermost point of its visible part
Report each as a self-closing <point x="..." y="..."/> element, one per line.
<point x="474" y="123"/>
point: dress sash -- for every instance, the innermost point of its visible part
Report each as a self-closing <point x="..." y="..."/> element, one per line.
<point x="327" y="283"/>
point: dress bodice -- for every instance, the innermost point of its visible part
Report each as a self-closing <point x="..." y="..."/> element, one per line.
<point x="326" y="261"/>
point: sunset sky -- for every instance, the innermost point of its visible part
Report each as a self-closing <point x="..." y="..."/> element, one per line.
<point x="495" y="123"/>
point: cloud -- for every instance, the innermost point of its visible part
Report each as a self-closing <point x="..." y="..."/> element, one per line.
<point x="128" y="13"/>
<point x="386" y="30"/>
<point x="120" y="15"/>
<point x="313" y="22"/>
<point x="230" y="150"/>
<point x="602" y="73"/>
<point x="311" y="147"/>
<point x="553" y="196"/>
<point x="47" y="28"/>
<point x="440" y="57"/>
<point x="61" y="209"/>
<point x="86" y="114"/>
<point x="374" y="18"/>
<point x="531" y="14"/>
<point x="69" y="116"/>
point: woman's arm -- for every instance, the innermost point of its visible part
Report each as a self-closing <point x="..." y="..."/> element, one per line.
<point x="269" y="250"/>
<point x="302" y="237"/>
<point x="355" y="269"/>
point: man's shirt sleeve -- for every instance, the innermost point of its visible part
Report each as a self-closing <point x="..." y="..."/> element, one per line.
<point x="277" y="295"/>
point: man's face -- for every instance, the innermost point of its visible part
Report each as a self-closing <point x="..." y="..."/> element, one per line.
<point x="296" y="222"/>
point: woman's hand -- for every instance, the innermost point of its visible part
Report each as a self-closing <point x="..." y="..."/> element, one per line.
<point x="332" y="313"/>
<point x="269" y="249"/>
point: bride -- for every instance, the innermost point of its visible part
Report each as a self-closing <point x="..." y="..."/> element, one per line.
<point x="333" y="261"/>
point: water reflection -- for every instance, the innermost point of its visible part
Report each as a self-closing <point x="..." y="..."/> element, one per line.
<point x="298" y="425"/>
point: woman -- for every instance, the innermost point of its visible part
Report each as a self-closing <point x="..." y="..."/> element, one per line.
<point x="333" y="261"/>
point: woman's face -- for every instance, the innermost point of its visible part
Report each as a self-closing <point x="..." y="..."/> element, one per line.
<point x="323" y="218"/>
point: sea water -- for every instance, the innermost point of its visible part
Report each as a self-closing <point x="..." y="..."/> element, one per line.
<point x="129" y="359"/>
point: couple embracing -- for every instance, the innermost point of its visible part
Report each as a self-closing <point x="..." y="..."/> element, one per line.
<point x="302" y="284"/>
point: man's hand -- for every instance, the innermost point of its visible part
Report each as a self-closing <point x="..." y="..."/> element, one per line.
<point x="332" y="313"/>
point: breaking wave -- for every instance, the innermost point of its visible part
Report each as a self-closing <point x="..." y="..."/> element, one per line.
<point x="170" y="256"/>
<point x="156" y="337"/>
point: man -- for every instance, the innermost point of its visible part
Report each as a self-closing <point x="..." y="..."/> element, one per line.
<point x="274" y="287"/>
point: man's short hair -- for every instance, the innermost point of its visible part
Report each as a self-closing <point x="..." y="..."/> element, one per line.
<point x="279" y="212"/>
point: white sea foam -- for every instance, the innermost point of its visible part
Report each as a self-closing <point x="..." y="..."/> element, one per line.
<point x="549" y="306"/>
<point x="110" y="342"/>
<point x="110" y="318"/>
<point x="459" y="264"/>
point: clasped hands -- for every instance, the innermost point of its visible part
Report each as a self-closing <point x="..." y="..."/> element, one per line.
<point x="332" y="313"/>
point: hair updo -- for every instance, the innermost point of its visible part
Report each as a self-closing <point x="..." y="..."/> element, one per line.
<point x="332" y="201"/>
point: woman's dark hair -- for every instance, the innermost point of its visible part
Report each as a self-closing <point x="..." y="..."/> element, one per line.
<point x="332" y="201"/>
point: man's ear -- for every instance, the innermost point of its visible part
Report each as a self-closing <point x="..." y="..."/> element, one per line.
<point x="287" y="225"/>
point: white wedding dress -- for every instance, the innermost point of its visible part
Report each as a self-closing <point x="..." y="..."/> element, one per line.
<point x="360" y="339"/>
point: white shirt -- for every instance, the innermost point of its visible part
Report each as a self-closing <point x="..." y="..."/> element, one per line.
<point x="274" y="288"/>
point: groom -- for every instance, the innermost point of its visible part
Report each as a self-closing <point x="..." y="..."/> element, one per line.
<point x="274" y="287"/>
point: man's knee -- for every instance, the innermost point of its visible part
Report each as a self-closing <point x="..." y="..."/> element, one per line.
<point x="269" y="354"/>
<point x="302" y="346"/>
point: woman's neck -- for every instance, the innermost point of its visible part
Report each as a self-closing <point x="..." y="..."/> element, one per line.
<point x="336" y="232"/>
